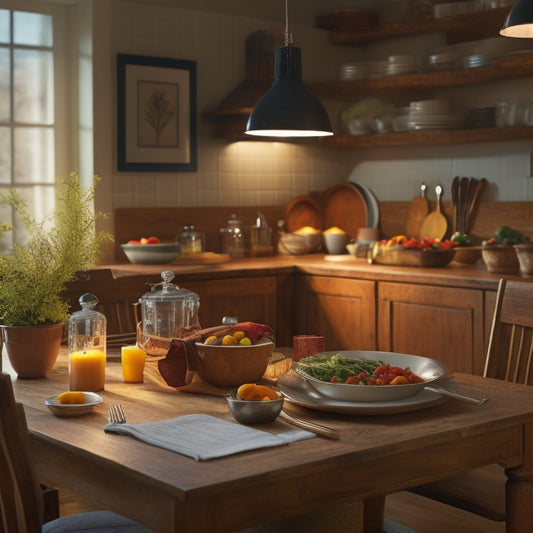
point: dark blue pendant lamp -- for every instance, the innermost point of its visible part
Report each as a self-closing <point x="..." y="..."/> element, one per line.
<point x="289" y="109"/>
<point x="519" y="22"/>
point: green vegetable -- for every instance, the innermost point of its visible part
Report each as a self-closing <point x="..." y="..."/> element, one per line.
<point x="507" y="236"/>
<point x="461" y="239"/>
<point x="325" y="368"/>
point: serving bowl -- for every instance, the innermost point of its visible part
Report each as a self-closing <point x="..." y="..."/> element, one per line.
<point x="400" y="256"/>
<point x="253" y="411"/>
<point x="73" y="409"/>
<point x="231" y="366"/>
<point x="151" y="254"/>
<point x="428" y="369"/>
<point x="299" y="243"/>
<point x="335" y="242"/>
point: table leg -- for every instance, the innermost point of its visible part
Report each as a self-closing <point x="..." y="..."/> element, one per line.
<point x="374" y="514"/>
<point x="519" y="489"/>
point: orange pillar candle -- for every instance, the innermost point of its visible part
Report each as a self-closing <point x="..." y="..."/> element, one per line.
<point x="133" y="359"/>
<point x="87" y="370"/>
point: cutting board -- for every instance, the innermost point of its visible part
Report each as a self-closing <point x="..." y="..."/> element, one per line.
<point x="435" y="224"/>
<point x="418" y="210"/>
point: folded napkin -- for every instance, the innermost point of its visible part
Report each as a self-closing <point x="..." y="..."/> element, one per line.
<point x="205" y="437"/>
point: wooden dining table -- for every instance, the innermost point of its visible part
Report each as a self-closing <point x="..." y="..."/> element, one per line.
<point x="376" y="455"/>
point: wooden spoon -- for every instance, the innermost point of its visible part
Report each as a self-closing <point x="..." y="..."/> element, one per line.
<point x="473" y="204"/>
<point x="463" y="191"/>
<point x="455" y="199"/>
<point x="435" y="224"/>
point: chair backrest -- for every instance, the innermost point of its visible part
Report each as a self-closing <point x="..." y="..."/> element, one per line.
<point x="21" y="504"/>
<point x="510" y="350"/>
<point x="116" y="296"/>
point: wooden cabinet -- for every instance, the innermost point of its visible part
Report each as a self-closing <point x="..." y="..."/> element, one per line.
<point x="443" y="323"/>
<point x="251" y="299"/>
<point x="343" y="310"/>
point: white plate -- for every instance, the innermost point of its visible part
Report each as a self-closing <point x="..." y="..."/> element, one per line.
<point x="73" y="409"/>
<point x="372" y="204"/>
<point x="428" y="369"/>
<point x="298" y="391"/>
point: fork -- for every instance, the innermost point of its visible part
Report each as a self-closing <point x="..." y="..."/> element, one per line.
<point x="116" y="414"/>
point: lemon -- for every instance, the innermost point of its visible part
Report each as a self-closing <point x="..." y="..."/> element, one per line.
<point x="334" y="230"/>
<point x="245" y="341"/>
<point x="238" y="335"/>
<point x="229" y="340"/>
<point x="307" y="230"/>
<point x="211" y="340"/>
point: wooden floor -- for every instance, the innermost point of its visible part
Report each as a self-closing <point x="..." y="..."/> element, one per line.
<point x="415" y="512"/>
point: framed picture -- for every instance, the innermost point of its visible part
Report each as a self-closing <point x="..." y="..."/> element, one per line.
<point x="156" y="113"/>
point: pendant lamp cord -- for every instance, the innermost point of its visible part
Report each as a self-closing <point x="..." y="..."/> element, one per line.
<point x="288" y="39"/>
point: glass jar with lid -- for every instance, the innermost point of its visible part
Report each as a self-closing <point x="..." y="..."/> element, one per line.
<point x="87" y="346"/>
<point x="191" y="241"/>
<point x="233" y="238"/>
<point x="168" y="312"/>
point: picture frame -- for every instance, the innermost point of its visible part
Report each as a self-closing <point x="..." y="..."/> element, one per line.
<point x="156" y="122"/>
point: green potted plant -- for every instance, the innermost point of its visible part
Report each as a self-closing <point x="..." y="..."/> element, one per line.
<point x="33" y="275"/>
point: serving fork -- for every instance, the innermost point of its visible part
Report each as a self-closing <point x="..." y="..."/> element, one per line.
<point x="116" y="414"/>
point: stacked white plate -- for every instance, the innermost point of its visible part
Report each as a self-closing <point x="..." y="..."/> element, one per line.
<point x="476" y="60"/>
<point x="353" y="71"/>
<point x="402" y="64"/>
<point x="433" y="114"/>
<point x="444" y="61"/>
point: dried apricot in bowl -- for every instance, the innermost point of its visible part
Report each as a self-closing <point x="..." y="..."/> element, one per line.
<point x="254" y="411"/>
<point x="251" y="391"/>
<point x="70" y="397"/>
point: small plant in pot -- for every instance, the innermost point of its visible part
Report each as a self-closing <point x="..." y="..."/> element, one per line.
<point x="33" y="275"/>
<point x="499" y="253"/>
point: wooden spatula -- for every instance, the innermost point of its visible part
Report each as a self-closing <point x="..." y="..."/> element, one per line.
<point x="417" y="212"/>
<point x="435" y="224"/>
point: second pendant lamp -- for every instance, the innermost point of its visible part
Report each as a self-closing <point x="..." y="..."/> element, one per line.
<point x="289" y="109"/>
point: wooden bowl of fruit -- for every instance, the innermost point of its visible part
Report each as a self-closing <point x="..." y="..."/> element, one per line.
<point x="226" y="362"/>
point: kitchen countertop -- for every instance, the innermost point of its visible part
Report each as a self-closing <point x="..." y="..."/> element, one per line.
<point x="456" y="275"/>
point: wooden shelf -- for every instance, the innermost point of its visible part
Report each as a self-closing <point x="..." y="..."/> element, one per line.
<point x="505" y="68"/>
<point x="430" y="137"/>
<point x="458" y="28"/>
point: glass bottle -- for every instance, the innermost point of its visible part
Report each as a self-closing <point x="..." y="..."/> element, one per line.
<point x="191" y="241"/>
<point x="87" y="346"/>
<point x="233" y="238"/>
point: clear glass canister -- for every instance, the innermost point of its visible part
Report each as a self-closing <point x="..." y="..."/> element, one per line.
<point x="191" y="241"/>
<point x="233" y="238"/>
<point x="168" y="312"/>
<point x="87" y="346"/>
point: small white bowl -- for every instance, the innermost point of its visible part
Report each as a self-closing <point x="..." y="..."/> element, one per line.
<point x="151" y="254"/>
<point x="73" y="409"/>
<point x="335" y="242"/>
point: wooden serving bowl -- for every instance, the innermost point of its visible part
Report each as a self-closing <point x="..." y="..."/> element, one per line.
<point x="231" y="366"/>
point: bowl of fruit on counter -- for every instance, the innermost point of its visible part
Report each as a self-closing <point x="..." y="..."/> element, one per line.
<point x="403" y="251"/>
<point x="150" y="251"/>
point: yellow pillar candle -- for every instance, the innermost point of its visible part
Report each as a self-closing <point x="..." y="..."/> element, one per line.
<point x="133" y="359"/>
<point x="87" y="370"/>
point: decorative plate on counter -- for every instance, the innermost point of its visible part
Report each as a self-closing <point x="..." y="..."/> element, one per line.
<point x="399" y="256"/>
<point x="371" y="204"/>
<point x="303" y="211"/>
<point x="345" y="207"/>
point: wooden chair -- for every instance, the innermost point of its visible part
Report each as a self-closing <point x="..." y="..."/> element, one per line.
<point x="21" y="499"/>
<point x="509" y="357"/>
<point x="117" y="297"/>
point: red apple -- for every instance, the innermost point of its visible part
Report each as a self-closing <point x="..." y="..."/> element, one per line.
<point x="153" y="240"/>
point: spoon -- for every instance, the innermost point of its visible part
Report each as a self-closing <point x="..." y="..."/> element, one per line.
<point x="455" y="395"/>
<point x="319" y="429"/>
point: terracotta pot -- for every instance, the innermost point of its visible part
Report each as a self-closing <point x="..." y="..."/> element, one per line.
<point x="500" y="259"/>
<point x="32" y="350"/>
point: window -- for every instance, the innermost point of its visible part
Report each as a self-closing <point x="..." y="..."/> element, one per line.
<point x="27" y="129"/>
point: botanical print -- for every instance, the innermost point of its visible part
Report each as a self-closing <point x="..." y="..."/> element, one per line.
<point x="158" y="114"/>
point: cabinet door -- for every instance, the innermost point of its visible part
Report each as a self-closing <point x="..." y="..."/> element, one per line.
<point x="343" y="310"/>
<point x="443" y="323"/>
<point x="249" y="299"/>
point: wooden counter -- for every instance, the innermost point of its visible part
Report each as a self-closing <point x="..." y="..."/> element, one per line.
<point x="444" y="313"/>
